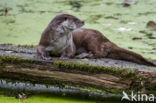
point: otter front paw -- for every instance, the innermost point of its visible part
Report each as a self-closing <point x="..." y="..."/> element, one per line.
<point x="45" y="56"/>
<point x="64" y="58"/>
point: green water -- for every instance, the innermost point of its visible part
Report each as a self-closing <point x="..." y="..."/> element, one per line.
<point x="42" y="99"/>
<point x="28" y="18"/>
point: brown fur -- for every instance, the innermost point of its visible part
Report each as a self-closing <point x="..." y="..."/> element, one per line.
<point x="56" y="39"/>
<point x="96" y="45"/>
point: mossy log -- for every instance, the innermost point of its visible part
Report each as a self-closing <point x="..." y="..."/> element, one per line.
<point x="20" y="63"/>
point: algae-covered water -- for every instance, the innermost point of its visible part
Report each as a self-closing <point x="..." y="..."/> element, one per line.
<point x="42" y="99"/>
<point x="26" y="19"/>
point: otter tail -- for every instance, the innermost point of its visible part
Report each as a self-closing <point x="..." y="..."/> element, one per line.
<point x="123" y="54"/>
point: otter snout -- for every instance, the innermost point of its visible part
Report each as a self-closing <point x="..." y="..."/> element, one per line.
<point x="81" y="23"/>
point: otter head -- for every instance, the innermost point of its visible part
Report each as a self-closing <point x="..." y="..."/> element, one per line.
<point x="67" y="22"/>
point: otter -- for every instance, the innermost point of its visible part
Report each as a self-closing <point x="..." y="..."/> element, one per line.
<point x="56" y="39"/>
<point x="91" y="43"/>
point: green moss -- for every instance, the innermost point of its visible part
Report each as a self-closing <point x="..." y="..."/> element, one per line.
<point x="150" y="86"/>
<point x="115" y="91"/>
<point x="85" y="88"/>
<point x="151" y="92"/>
<point x="70" y="66"/>
<point x="28" y="46"/>
<point x="13" y="59"/>
<point x="121" y="72"/>
<point x="24" y="46"/>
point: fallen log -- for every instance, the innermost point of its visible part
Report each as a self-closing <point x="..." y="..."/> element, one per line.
<point x="112" y="76"/>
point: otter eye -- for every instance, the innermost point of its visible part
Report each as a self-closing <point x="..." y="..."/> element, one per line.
<point x="65" y="18"/>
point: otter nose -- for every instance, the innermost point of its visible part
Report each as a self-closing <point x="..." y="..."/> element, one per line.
<point x="83" y="22"/>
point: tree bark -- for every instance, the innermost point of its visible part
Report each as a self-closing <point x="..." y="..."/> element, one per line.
<point x="19" y="63"/>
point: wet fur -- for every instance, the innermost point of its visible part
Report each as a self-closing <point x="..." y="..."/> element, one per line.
<point x="93" y="44"/>
<point x="56" y="39"/>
